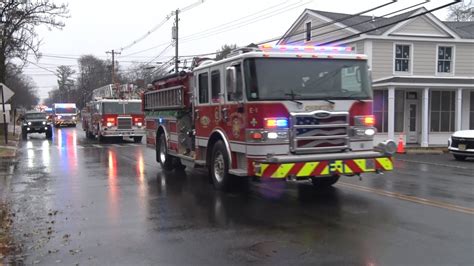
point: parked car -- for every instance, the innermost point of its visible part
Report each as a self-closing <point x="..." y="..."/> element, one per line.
<point x="35" y="122"/>
<point x="461" y="144"/>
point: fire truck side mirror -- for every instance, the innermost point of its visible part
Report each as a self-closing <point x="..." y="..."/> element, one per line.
<point x="231" y="81"/>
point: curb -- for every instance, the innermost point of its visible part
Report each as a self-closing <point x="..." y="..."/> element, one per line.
<point x="436" y="151"/>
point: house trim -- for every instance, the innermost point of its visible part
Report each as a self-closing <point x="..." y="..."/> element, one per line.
<point x="416" y="85"/>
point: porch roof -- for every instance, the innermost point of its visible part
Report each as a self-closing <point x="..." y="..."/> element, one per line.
<point x="431" y="82"/>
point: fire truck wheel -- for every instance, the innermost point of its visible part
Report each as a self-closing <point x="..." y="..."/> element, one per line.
<point x="459" y="157"/>
<point x="219" y="166"/>
<point x="324" y="182"/>
<point x="137" y="139"/>
<point x="165" y="160"/>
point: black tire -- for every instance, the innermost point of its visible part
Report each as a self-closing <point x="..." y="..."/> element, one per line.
<point x="137" y="139"/>
<point x="49" y="134"/>
<point x="24" y="135"/>
<point x="459" y="157"/>
<point x="162" y="156"/>
<point x="219" y="166"/>
<point x="325" y="182"/>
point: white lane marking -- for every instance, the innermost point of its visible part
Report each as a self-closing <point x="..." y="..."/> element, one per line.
<point x="98" y="146"/>
<point x="435" y="164"/>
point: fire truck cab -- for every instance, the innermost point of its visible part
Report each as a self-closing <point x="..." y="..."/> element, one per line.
<point x="115" y="111"/>
<point x="272" y="112"/>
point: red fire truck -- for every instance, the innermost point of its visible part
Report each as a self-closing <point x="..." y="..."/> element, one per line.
<point x="115" y="111"/>
<point x="272" y="112"/>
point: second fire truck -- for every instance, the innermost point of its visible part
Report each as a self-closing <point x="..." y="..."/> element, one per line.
<point x="272" y="112"/>
<point x="115" y="111"/>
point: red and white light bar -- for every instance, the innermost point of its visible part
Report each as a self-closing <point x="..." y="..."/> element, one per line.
<point x="292" y="48"/>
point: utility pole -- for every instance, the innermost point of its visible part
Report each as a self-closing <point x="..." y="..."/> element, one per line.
<point x="176" y="37"/>
<point x="113" y="52"/>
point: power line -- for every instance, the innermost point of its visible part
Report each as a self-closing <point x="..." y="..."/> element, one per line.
<point x="328" y="23"/>
<point x="391" y="23"/>
<point x="365" y="21"/>
<point x="233" y="21"/>
<point x="250" y="21"/>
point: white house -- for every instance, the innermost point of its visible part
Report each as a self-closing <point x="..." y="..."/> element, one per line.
<point x="422" y="69"/>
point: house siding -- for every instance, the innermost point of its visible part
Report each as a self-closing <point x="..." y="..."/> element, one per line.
<point x="318" y="35"/>
<point x="424" y="56"/>
<point x="421" y="26"/>
<point x="464" y="60"/>
<point x="382" y="59"/>
<point x="360" y="47"/>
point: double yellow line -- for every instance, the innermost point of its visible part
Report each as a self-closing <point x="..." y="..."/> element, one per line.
<point x="395" y="195"/>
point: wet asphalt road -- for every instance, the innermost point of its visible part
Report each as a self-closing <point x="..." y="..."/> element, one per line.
<point x="80" y="202"/>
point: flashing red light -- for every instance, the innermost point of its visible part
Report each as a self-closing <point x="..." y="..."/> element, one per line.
<point x="256" y="135"/>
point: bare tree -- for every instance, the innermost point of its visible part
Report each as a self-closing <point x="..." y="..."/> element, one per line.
<point x="65" y="82"/>
<point x="464" y="11"/>
<point x="225" y="50"/>
<point x="19" y="22"/>
<point x="25" y="88"/>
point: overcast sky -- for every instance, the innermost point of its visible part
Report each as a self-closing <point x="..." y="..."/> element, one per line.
<point x="99" y="26"/>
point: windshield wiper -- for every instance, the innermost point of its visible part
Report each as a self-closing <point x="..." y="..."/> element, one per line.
<point x="293" y="95"/>
<point x="329" y="101"/>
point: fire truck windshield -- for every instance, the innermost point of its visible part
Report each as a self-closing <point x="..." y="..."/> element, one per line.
<point x="306" y="79"/>
<point x="121" y="108"/>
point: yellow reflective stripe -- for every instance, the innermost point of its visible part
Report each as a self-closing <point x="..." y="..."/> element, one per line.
<point x="347" y="169"/>
<point x="307" y="169"/>
<point x="337" y="165"/>
<point x="262" y="169"/>
<point x="282" y="170"/>
<point x="365" y="165"/>
<point x="386" y="163"/>
<point x="325" y="171"/>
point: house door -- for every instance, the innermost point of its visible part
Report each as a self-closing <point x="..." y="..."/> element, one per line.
<point x="412" y="122"/>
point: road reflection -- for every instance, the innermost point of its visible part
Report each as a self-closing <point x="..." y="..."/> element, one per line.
<point x="113" y="196"/>
<point x="67" y="146"/>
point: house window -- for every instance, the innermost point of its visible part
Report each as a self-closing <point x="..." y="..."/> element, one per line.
<point x="471" y="112"/>
<point x="203" y="88"/>
<point x="442" y="111"/>
<point x="215" y="86"/>
<point x="402" y="58"/>
<point x="445" y="59"/>
<point x="308" y="31"/>
<point x="381" y="110"/>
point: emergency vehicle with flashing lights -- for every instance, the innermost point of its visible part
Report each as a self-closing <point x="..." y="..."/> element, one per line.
<point x="272" y="112"/>
<point x="115" y="111"/>
<point x="64" y="114"/>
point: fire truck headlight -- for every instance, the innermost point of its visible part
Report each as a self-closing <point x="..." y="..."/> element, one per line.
<point x="139" y="124"/>
<point x="44" y="122"/>
<point x="272" y="135"/>
<point x="59" y="117"/>
<point x="29" y="123"/>
<point x="74" y="118"/>
<point x="369" y="132"/>
<point x="110" y="124"/>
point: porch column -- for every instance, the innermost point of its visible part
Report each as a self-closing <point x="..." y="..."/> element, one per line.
<point x="425" y="117"/>
<point x="458" y="106"/>
<point x="391" y="112"/>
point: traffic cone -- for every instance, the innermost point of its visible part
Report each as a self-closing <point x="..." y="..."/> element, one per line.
<point x="401" y="145"/>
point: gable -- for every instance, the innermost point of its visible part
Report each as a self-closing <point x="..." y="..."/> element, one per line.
<point x="322" y="30"/>
<point x="421" y="26"/>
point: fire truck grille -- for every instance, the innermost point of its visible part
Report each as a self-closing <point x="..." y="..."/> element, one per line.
<point x="124" y="123"/>
<point x="319" y="132"/>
